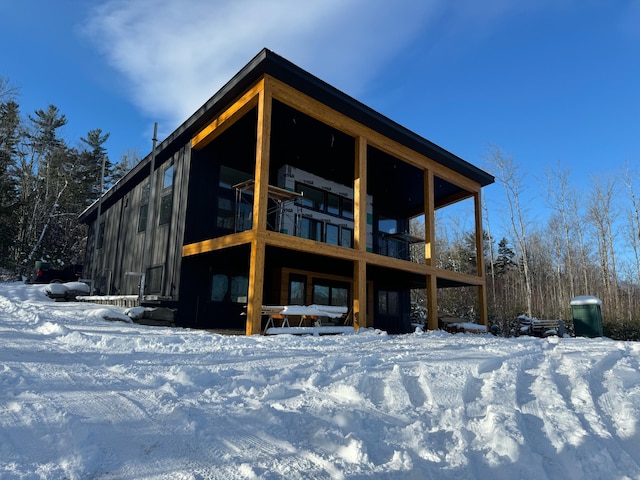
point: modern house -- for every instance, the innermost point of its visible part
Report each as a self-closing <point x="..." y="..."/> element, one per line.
<point x="282" y="190"/>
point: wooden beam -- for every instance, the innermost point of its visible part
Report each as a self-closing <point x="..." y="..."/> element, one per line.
<point x="463" y="279"/>
<point x="213" y="244"/>
<point x="228" y="117"/>
<point x="455" y="198"/>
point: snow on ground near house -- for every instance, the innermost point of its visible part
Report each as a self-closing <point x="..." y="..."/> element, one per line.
<point x="82" y="397"/>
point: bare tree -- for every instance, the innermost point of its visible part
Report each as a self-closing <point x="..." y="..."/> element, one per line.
<point x="511" y="180"/>
<point x="602" y="215"/>
<point x="558" y="194"/>
<point x="633" y="215"/>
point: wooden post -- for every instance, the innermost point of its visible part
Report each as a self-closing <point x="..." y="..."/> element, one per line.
<point x="482" y="291"/>
<point x="429" y="250"/>
<point x="256" y="286"/>
<point x="260" y="200"/>
<point x="360" y="234"/>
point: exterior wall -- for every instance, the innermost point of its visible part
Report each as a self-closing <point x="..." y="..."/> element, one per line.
<point x="123" y="245"/>
<point x="288" y="176"/>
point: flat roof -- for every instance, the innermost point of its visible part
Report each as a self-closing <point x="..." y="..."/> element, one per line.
<point x="270" y="63"/>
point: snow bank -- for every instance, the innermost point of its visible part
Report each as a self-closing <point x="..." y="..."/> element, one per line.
<point x="85" y="398"/>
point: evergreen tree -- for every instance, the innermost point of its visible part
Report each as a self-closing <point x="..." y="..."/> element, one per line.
<point x="92" y="161"/>
<point x="9" y="140"/>
<point x="505" y="259"/>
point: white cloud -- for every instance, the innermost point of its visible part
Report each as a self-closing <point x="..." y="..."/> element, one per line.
<point x="174" y="54"/>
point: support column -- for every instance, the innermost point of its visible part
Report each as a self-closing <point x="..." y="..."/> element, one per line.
<point x="359" y="294"/>
<point x="260" y="200"/>
<point x="256" y="287"/>
<point x="360" y="235"/>
<point x="482" y="290"/>
<point x="429" y="250"/>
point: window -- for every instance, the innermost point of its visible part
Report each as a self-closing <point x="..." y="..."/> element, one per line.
<point x="167" y="181"/>
<point x="166" y="203"/>
<point x="322" y="201"/>
<point x="333" y="204"/>
<point x="321" y="294"/>
<point x="346" y="237"/>
<point x="388" y="302"/>
<point x="153" y="280"/>
<point x="143" y="212"/>
<point x="311" y="229"/>
<point x="142" y="217"/>
<point x="332" y="234"/>
<point x="234" y="288"/>
<point x="219" y="287"/>
<point x="100" y="235"/>
<point x="239" y="288"/>
<point x="144" y="196"/>
<point x="387" y="225"/>
<point x="297" y="290"/>
<point x="347" y="208"/>
<point x="311" y="197"/>
<point x="326" y="292"/>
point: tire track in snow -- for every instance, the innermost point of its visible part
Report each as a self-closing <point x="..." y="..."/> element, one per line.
<point x="607" y="408"/>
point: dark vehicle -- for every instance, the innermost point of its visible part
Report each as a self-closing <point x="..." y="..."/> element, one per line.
<point x="44" y="273"/>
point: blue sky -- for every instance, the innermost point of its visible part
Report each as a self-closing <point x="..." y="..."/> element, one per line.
<point x="547" y="81"/>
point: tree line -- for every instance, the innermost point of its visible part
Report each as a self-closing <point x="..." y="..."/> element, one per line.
<point x="45" y="183"/>
<point x="588" y="245"/>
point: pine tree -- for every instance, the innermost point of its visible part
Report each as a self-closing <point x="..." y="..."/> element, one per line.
<point x="9" y="140"/>
<point x="505" y="259"/>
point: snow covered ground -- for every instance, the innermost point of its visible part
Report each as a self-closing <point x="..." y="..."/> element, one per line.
<point x="86" y="398"/>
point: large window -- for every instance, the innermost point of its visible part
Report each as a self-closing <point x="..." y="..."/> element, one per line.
<point x="297" y="290"/>
<point x="233" y="288"/>
<point x="323" y="201"/>
<point x="330" y="293"/>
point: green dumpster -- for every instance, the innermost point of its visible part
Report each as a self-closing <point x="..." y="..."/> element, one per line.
<point x="587" y="316"/>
